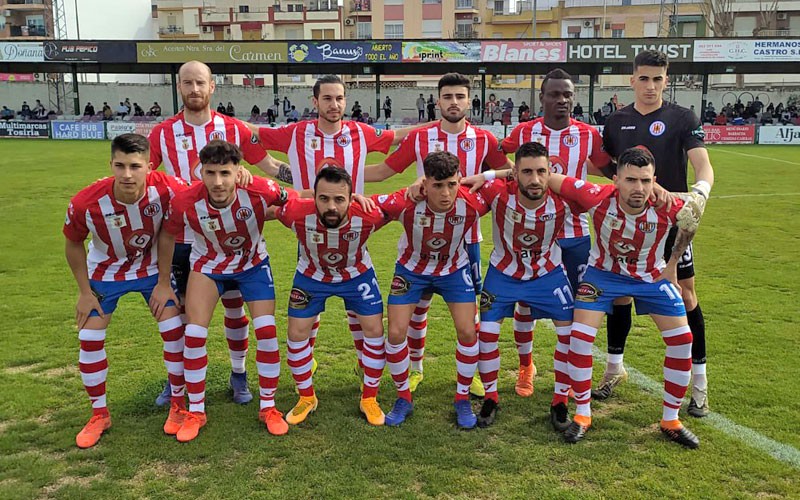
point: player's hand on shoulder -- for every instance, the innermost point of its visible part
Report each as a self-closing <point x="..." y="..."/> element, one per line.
<point x="245" y="178"/>
<point x="660" y="197"/>
<point x="474" y="182"/>
<point x="416" y="191"/>
<point x="87" y="302"/>
<point x="367" y="204"/>
<point x="162" y="294"/>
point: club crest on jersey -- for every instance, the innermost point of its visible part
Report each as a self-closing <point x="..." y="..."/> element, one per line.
<point x="211" y="225"/>
<point x="186" y="144"/>
<point x="587" y="293"/>
<point x="657" y="128"/>
<point x="151" y="210"/>
<point x="570" y="140"/>
<point x="487" y="299"/>
<point x="438" y="146"/>
<point x="399" y="286"/>
<point x="298" y="298"/>
<point x="244" y="213"/>
<point x="343" y="141"/>
<point x="515" y="216"/>
<point x="557" y="166"/>
<point x="116" y="221"/>
<point x="455" y="220"/>
<point x="422" y="221"/>
<point x="467" y="144"/>
<point x="615" y="223"/>
<point x="317" y="237"/>
<point x="647" y="227"/>
<point x="547" y="217"/>
<point x="216" y="135"/>
<point x="527" y="238"/>
<point x="351" y="236"/>
<point x="313" y="143"/>
<point x="436" y="242"/>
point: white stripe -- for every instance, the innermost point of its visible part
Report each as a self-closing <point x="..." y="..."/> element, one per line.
<point x="169" y="324"/>
<point x="90" y="357"/>
<point x="756" y="195"/>
<point x="262" y="321"/>
<point x="91" y="335"/>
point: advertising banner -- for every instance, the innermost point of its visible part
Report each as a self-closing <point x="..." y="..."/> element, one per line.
<point x="534" y="51"/>
<point x="144" y="128"/>
<point x="211" y="52"/>
<point x="16" y="77"/>
<point x="78" y="130"/>
<point x="113" y="129"/>
<point x="21" y="52"/>
<point x="80" y="51"/>
<point x="621" y="50"/>
<point x="730" y="134"/>
<point x="26" y="129"/>
<point x="441" y="51"/>
<point x="338" y="52"/>
<point x="743" y="50"/>
<point x="778" y="135"/>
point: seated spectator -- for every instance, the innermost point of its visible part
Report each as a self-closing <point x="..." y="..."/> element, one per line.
<point x="230" y="111"/>
<point x="25" y="111"/>
<point x="88" y="110"/>
<point x="355" y="113"/>
<point x="599" y="119"/>
<point x="122" y="110"/>
<point x="255" y="111"/>
<point x="271" y="117"/>
<point x="721" y="119"/>
<point x="577" y="112"/>
<point x="137" y="110"/>
<point x="293" y="115"/>
<point x="221" y="109"/>
<point x="155" y="110"/>
<point x="39" y="111"/>
<point x="6" y="114"/>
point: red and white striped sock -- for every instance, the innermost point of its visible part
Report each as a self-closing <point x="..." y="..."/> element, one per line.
<point x="417" y="330"/>
<point x="561" y="388"/>
<point x="374" y="360"/>
<point x="236" y="329"/>
<point x="523" y="333"/>
<point x="268" y="359"/>
<point x="195" y="364"/>
<point x="358" y="336"/>
<point x="93" y="365"/>
<point x="677" y="369"/>
<point x="299" y="357"/>
<point x="489" y="359"/>
<point x="172" y="334"/>
<point x="312" y="337"/>
<point x="579" y="364"/>
<point x="398" y="360"/>
<point x="466" y="364"/>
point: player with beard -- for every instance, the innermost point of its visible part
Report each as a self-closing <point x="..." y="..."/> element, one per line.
<point x="673" y="134"/>
<point x="476" y="150"/>
<point x="176" y="143"/>
<point x="333" y="261"/>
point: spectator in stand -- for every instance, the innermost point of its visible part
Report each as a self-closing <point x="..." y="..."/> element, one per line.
<point x="88" y="110"/>
<point x="607" y="110"/>
<point x="524" y="112"/>
<point x="431" y="108"/>
<point x="137" y="110"/>
<point x="255" y="111"/>
<point x="387" y="108"/>
<point x="108" y="114"/>
<point x="355" y="114"/>
<point x="771" y="109"/>
<point x="272" y="112"/>
<point x="287" y="106"/>
<point x="599" y="119"/>
<point x="476" y="107"/>
<point x="721" y="119"/>
<point x="293" y="115"/>
<point x="491" y="106"/>
<point x="25" y="111"/>
<point x="6" y="114"/>
<point x="155" y="110"/>
<point x="39" y="112"/>
<point x="508" y="107"/>
<point x="786" y="117"/>
<point x="577" y="112"/>
<point x="421" y="107"/>
<point x="122" y="110"/>
<point x="230" y="111"/>
<point x="128" y="104"/>
<point x="221" y="109"/>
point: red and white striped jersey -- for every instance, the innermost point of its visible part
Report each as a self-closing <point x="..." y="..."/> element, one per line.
<point x="432" y="243"/>
<point x="331" y="255"/>
<point x="226" y="240"/>
<point x="307" y="146"/>
<point x="629" y="245"/>
<point x="474" y="148"/>
<point x="525" y="240"/>
<point x="177" y="145"/>
<point x="569" y="149"/>
<point x="124" y="237"/>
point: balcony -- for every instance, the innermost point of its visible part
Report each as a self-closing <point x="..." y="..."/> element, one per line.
<point x="28" y="32"/>
<point x="465" y="5"/>
<point x="170" y="31"/>
<point x="766" y="33"/>
<point x="25" y="5"/>
<point x="358" y="6"/>
<point x="466" y="34"/>
<point x="322" y="15"/>
<point x="291" y="17"/>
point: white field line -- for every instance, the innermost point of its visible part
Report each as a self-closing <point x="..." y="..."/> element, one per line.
<point x="752" y="195"/>
<point x="753" y="156"/>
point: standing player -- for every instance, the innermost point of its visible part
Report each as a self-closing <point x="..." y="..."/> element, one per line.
<point x="228" y="251"/>
<point x="432" y="259"/>
<point x="123" y="213"/>
<point x="308" y="143"/>
<point x="575" y="149"/>
<point x="672" y="133"/>
<point x="626" y="260"/>
<point x="333" y="261"/>
<point x="525" y="267"/>
<point x="176" y="142"/>
<point x="474" y="148"/>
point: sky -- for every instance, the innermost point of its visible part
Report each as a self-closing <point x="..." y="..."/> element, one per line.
<point x="109" y="19"/>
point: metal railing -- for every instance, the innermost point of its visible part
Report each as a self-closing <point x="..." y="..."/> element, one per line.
<point x="464" y="4"/>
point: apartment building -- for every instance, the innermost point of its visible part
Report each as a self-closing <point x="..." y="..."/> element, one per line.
<point x="26" y="20"/>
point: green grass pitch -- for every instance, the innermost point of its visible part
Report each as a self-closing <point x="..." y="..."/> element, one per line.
<point x="747" y="262"/>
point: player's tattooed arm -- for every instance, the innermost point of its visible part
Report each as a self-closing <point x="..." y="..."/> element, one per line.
<point x="276" y="169"/>
<point x="682" y="241"/>
<point x="87" y="301"/>
<point x="163" y="292"/>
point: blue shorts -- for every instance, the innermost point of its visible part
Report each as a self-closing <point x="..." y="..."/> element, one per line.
<point x="108" y="293"/>
<point x="598" y="289"/>
<point x="474" y="255"/>
<point x="181" y="267"/>
<point x="408" y="287"/>
<point x="575" y="255"/>
<point x="255" y="284"/>
<point x="549" y="296"/>
<point x="362" y="295"/>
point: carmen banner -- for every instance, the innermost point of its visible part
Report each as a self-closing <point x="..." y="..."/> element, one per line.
<point x="211" y="52"/>
<point x="746" y="50"/>
<point x="615" y="51"/>
<point x="730" y="134"/>
<point x="24" y="129"/>
<point x="432" y="52"/>
<point x="78" y="130"/>
<point x="338" y="52"/>
<point x="537" y="51"/>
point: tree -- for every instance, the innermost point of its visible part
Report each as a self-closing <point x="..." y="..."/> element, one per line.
<point x="768" y="17"/>
<point x="718" y="15"/>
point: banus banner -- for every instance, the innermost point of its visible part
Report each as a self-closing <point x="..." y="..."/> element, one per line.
<point x="344" y="52"/>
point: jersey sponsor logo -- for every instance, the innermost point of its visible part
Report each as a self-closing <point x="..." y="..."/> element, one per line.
<point x="343" y="141"/>
<point x="399" y="286"/>
<point x="437" y="241"/>
<point x="436" y="146"/>
<point x="587" y="292"/>
<point x="139" y="239"/>
<point x="647" y="227"/>
<point x="559" y="166"/>
<point x="455" y="220"/>
<point x="116" y="221"/>
<point x="351" y="235"/>
<point x="487" y="299"/>
<point x="234" y="241"/>
<point x="570" y="140"/>
<point x="244" y="213"/>
<point x="539" y="139"/>
<point x="151" y="210"/>
<point x="299" y="298"/>
<point x="623" y="247"/>
<point x="527" y="238"/>
<point x="467" y="145"/>
<point x="216" y="135"/>
<point x="333" y="258"/>
<point x="515" y="216"/>
<point x="628" y="127"/>
<point x="657" y="128"/>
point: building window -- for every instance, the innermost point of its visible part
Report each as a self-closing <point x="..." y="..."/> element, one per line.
<point x="689" y="29"/>
<point x="463" y="4"/>
<point x="392" y="2"/>
<point x="244" y="9"/>
<point x="618" y="33"/>
<point x="393" y="29"/>
<point x="650" y="29"/>
<point x="464" y="28"/>
<point x="431" y="1"/>
<point x="364" y="30"/>
<point x="431" y="28"/>
<point x="498" y="7"/>
<point x="497" y="34"/>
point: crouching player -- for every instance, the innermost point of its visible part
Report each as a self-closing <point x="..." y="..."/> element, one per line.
<point x="333" y="261"/>
<point x="228" y="252"/>
<point x="525" y="267"/>
<point x="123" y="213"/>
<point x="626" y="261"/>
<point x="432" y="259"/>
